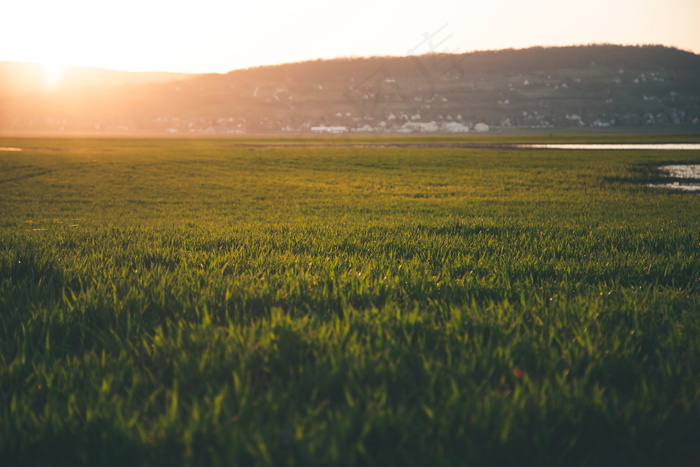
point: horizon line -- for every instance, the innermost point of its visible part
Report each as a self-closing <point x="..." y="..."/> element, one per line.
<point x="347" y="57"/>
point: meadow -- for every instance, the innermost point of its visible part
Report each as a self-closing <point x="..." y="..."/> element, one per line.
<point x="334" y="302"/>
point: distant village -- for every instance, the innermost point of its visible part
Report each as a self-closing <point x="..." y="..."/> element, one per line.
<point x="437" y="112"/>
<point x="392" y="124"/>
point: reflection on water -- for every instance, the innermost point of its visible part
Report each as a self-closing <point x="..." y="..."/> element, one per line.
<point x="682" y="171"/>
<point x="685" y="172"/>
<point x="677" y="186"/>
<point x="11" y="149"/>
<point x="663" y="146"/>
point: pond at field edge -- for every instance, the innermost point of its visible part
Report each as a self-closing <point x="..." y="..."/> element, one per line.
<point x="683" y="172"/>
<point x="680" y="173"/>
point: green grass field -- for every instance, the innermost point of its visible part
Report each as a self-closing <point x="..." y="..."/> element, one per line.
<point x="229" y="302"/>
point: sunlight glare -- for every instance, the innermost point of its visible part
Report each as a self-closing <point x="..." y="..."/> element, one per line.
<point x="217" y="36"/>
<point x="53" y="75"/>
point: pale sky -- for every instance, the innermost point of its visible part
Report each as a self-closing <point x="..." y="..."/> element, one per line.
<point x="219" y="36"/>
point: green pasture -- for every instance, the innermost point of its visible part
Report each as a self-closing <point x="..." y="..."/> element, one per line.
<point x="334" y="302"/>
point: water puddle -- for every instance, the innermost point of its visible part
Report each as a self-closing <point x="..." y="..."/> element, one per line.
<point x="678" y="186"/>
<point x="662" y="146"/>
<point x="680" y="173"/>
<point x="11" y="149"/>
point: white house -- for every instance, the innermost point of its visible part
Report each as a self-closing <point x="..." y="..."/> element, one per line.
<point x="329" y="129"/>
<point x="365" y="129"/>
<point x="422" y="127"/>
<point x="455" y="127"/>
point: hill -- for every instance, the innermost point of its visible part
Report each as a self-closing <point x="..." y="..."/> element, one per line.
<point x="596" y="86"/>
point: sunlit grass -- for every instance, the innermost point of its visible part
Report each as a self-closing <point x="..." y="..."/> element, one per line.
<point x="201" y="302"/>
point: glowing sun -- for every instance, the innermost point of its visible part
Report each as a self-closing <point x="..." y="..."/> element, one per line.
<point x="53" y="75"/>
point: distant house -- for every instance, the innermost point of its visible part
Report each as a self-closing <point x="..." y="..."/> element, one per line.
<point x="420" y="127"/>
<point x="329" y="129"/>
<point x="455" y="127"/>
<point x="365" y="129"/>
<point x="576" y="118"/>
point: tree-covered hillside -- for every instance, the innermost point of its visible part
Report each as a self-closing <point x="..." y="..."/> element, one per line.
<point x="596" y="86"/>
